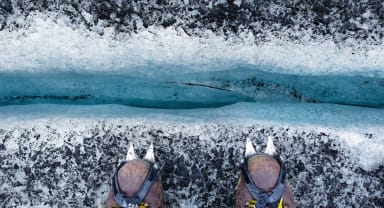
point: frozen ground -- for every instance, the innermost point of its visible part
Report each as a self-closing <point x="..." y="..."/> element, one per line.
<point x="300" y="71"/>
<point x="55" y="155"/>
<point x="337" y="20"/>
<point x="60" y="64"/>
<point x="51" y="44"/>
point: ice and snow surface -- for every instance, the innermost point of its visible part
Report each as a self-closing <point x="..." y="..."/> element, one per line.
<point x="54" y="155"/>
<point x="351" y="124"/>
<point x="70" y="65"/>
<point x="65" y="155"/>
<point x="52" y="45"/>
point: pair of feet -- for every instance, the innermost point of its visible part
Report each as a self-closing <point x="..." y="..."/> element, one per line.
<point x="262" y="182"/>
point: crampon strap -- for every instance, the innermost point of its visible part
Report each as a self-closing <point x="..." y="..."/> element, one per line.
<point x="135" y="200"/>
<point x="263" y="198"/>
<point x="252" y="203"/>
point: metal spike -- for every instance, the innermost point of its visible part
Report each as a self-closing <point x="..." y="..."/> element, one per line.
<point x="131" y="155"/>
<point x="150" y="155"/>
<point x="249" y="149"/>
<point x="270" y="149"/>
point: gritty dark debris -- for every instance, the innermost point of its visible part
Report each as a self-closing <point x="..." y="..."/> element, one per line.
<point x="310" y="157"/>
<point x="28" y="98"/>
<point x="337" y="20"/>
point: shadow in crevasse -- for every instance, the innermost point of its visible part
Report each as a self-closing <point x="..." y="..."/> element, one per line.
<point x="188" y="90"/>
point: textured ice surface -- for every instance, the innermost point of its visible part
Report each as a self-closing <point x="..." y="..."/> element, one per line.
<point x="65" y="155"/>
<point x="196" y="54"/>
<point x="50" y="62"/>
<point x="188" y="90"/>
<point x="338" y="20"/>
<point x="53" y="45"/>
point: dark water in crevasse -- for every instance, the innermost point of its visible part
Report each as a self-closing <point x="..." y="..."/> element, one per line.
<point x="188" y="90"/>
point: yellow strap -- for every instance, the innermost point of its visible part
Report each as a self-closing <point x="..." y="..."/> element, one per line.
<point x="280" y="205"/>
<point x="141" y="205"/>
<point x="250" y="204"/>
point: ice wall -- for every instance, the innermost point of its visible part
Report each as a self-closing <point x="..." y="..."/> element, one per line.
<point x="188" y="90"/>
<point x="50" y="62"/>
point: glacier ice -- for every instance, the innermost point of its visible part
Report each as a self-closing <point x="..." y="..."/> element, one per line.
<point x="281" y="74"/>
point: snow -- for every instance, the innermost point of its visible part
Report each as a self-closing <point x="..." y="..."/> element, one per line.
<point x="64" y="155"/>
<point x="48" y="45"/>
<point x="88" y="141"/>
<point x="350" y="124"/>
